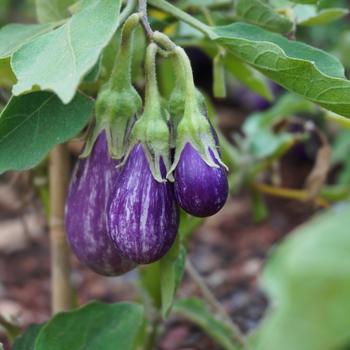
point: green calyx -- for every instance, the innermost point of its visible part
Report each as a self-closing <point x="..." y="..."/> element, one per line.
<point x="151" y="129"/>
<point x="118" y="102"/>
<point x="194" y="127"/>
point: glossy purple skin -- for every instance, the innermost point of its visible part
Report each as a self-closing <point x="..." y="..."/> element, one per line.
<point x="143" y="215"/>
<point x="86" y="217"/>
<point x="200" y="189"/>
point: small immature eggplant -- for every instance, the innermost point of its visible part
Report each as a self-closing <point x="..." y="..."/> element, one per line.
<point x="201" y="190"/>
<point x="86" y="219"/>
<point x="143" y="215"/>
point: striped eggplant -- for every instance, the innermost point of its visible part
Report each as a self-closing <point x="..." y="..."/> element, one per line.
<point x="143" y="215"/>
<point x="201" y="190"/>
<point x="85" y="217"/>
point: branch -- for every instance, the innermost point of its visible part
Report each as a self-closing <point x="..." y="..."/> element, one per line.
<point x="60" y="264"/>
<point x="216" y="306"/>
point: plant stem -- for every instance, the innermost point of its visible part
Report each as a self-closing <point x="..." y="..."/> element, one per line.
<point x="217" y="307"/>
<point x="144" y="20"/>
<point x="60" y="264"/>
<point x="127" y="11"/>
<point x="121" y="73"/>
<point x="183" y="16"/>
<point x="152" y="108"/>
<point x="299" y="195"/>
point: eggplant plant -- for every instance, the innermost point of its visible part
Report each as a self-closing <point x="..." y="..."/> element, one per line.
<point x="117" y="75"/>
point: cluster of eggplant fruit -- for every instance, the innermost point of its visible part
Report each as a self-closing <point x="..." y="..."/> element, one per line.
<point x="136" y="169"/>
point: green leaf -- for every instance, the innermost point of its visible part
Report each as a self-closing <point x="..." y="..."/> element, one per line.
<point x="196" y="311"/>
<point x="68" y="52"/>
<point x="1" y="346"/>
<point x="307" y="279"/>
<point x="94" y="326"/>
<point x="13" y="36"/>
<point x="307" y="15"/>
<point x="260" y="13"/>
<point x="26" y="341"/>
<point x="172" y="267"/>
<point x="298" y="67"/>
<point x="32" y="124"/>
<point x="7" y="78"/>
<point x="53" y="10"/>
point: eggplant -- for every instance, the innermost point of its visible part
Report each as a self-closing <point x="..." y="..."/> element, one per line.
<point x="143" y="215"/>
<point x="85" y="212"/>
<point x="200" y="190"/>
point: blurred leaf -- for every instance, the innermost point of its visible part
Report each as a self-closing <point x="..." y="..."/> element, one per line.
<point x="219" y="81"/>
<point x="310" y="72"/>
<point x="203" y="3"/>
<point x="172" y="267"/>
<point x="150" y="282"/>
<point x="68" y="52"/>
<point x="260" y="13"/>
<point x="188" y="224"/>
<point x="26" y="341"/>
<point x="260" y="211"/>
<point x="341" y="147"/>
<point x="307" y="279"/>
<point x="93" y="326"/>
<point x="305" y="1"/>
<point x="197" y="311"/>
<point x="287" y="105"/>
<point x="247" y="75"/>
<point x="266" y="144"/>
<point x="7" y="78"/>
<point x="14" y="36"/>
<point x="307" y="15"/>
<point x="52" y="10"/>
<point x="32" y="124"/>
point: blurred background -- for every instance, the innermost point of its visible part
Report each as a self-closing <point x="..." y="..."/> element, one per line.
<point x="227" y="249"/>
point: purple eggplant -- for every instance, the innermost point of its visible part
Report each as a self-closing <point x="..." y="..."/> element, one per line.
<point x="200" y="190"/>
<point x="86" y="218"/>
<point x="143" y="214"/>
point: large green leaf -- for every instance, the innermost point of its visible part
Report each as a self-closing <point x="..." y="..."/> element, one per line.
<point x="94" y="326"/>
<point x="197" y="311"/>
<point x="53" y="10"/>
<point x="260" y="13"/>
<point x="13" y="36"/>
<point x="26" y="341"/>
<point x="307" y="279"/>
<point x="32" y="124"/>
<point x="172" y="267"/>
<point x="58" y="60"/>
<point x="300" y="68"/>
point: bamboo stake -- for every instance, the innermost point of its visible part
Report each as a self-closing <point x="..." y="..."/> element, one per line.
<point x="61" y="291"/>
